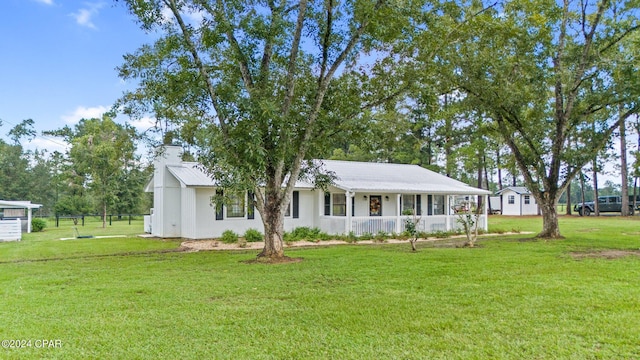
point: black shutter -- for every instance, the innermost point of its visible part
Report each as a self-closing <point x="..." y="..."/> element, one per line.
<point x="251" y="209"/>
<point x="418" y="205"/>
<point x="353" y="205"/>
<point x="327" y="204"/>
<point x="219" y="205"/>
<point x="296" y="204"/>
<point x="429" y="204"/>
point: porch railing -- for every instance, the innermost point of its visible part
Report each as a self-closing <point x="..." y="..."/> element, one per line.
<point x="389" y="224"/>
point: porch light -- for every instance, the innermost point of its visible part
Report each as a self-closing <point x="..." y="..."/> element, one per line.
<point x="386" y="198"/>
<point x="365" y="197"/>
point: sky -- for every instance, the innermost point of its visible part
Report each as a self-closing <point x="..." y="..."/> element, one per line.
<point x="58" y="62"/>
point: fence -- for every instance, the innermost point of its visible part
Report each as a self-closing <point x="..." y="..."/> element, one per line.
<point x="81" y="218"/>
<point x="10" y="230"/>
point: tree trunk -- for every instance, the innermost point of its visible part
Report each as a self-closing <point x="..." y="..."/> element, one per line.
<point x="550" y="227"/>
<point x="623" y="165"/>
<point x="568" y="192"/>
<point x="499" y="168"/>
<point x="273" y="219"/>
<point x="104" y="214"/>
<point x="596" y="206"/>
<point x="582" y="200"/>
<point x="480" y="167"/>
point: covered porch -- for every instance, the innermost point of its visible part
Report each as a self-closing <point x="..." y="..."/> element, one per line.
<point x="361" y="213"/>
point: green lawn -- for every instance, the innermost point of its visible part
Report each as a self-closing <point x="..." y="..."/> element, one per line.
<point x="510" y="298"/>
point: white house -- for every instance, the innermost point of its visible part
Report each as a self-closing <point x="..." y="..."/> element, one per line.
<point x="364" y="198"/>
<point x="15" y="217"/>
<point x="517" y="200"/>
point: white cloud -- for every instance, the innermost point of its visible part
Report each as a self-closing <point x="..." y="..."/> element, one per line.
<point x="50" y="144"/>
<point x="191" y="17"/>
<point x="82" y="112"/>
<point x="46" y="2"/>
<point x="143" y="124"/>
<point x="84" y="16"/>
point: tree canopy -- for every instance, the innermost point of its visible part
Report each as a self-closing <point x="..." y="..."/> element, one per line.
<point x="552" y="78"/>
<point x="258" y="87"/>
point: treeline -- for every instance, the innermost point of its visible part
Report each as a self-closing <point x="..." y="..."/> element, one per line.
<point x="99" y="174"/>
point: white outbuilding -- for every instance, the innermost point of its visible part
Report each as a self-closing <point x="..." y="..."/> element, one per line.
<point x="517" y="200"/>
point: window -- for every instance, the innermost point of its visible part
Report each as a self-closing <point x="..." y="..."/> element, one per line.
<point x="512" y="199"/>
<point x="527" y="199"/>
<point x="235" y="207"/>
<point x="613" y="200"/>
<point x="438" y="204"/>
<point x="339" y="204"/>
<point x="408" y="204"/>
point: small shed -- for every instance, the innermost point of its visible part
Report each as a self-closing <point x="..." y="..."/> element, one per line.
<point x="10" y="211"/>
<point x="517" y="200"/>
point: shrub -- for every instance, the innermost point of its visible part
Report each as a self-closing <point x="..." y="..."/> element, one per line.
<point x="229" y="237"/>
<point x="366" y="236"/>
<point x="306" y="233"/>
<point x="242" y="242"/>
<point x="381" y="236"/>
<point x="38" y="225"/>
<point x="253" y="235"/>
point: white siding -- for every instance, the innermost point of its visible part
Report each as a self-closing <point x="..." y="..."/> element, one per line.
<point x="188" y="213"/>
<point x="518" y="207"/>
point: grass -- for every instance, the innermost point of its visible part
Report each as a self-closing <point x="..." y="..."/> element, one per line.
<point x="511" y="298"/>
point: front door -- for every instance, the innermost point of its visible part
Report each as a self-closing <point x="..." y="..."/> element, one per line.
<point x="375" y="205"/>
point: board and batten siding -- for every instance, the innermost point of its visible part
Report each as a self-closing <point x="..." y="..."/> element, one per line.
<point x="10" y="230"/>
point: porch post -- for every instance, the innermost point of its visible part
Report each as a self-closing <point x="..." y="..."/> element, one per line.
<point x="28" y="220"/>
<point x="486" y="218"/>
<point x="448" y="211"/>
<point x="398" y="214"/>
<point x="349" y="198"/>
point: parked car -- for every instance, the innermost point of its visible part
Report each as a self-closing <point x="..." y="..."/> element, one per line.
<point x="605" y="204"/>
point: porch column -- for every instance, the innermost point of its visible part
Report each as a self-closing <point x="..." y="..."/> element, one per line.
<point x="486" y="218"/>
<point x="28" y="220"/>
<point x="398" y="214"/>
<point x="448" y="211"/>
<point x="349" y="198"/>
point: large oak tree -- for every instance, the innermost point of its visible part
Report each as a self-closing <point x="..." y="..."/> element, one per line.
<point x="258" y="87"/>
<point x="548" y="74"/>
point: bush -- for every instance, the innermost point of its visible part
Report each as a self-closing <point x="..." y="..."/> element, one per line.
<point x="366" y="236"/>
<point x="229" y="237"/>
<point x="253" y="235"/>
<point x="38" y="225"/>
<point x="306" y="233"/>
<point x="381" y="236"/>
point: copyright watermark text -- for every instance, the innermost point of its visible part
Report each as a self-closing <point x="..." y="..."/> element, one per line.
<point x="31" y="343"/>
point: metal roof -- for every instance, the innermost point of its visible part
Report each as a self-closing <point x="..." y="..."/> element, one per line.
<point x="402" y="178"/>
<point x="18" y="205"/>
<point x="189" y="174"/>
<point x="357" y="177"/>
<point x="520" y="190"/>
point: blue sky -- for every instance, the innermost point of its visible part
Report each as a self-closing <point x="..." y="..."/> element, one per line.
<point x="58" y="60"/>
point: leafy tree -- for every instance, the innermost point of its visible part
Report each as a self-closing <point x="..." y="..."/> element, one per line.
<point x="14" y="172"/>
<point x="257" y="87"/>
<point x="543" y="72"/>
<point x="100" y="151"/>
